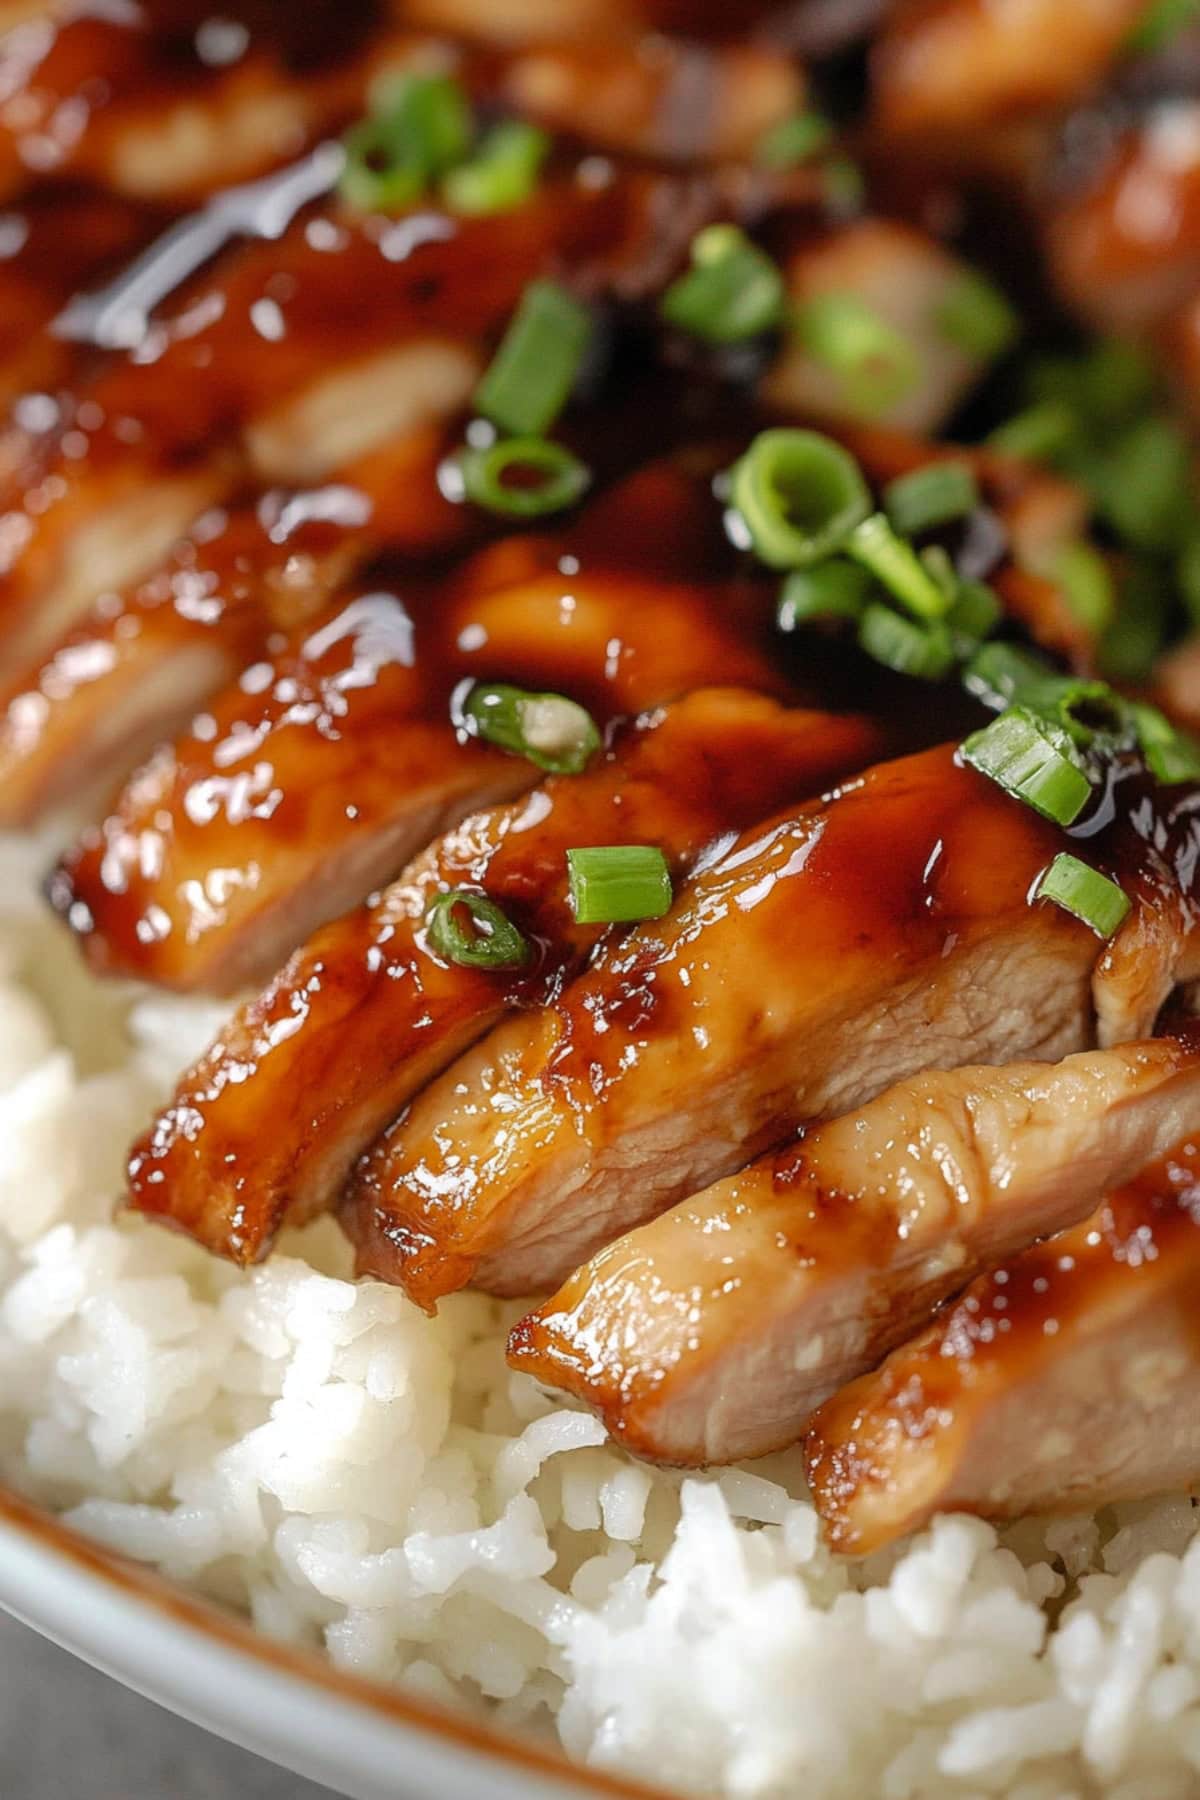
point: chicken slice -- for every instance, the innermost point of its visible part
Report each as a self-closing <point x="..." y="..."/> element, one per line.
<point x="946" y="66"/>
<point x="883" y="931"/>
<point x="712" y="1333"/>
<point x="318" y="774"/>
<point x="137" y="668"/>
<point x="905" y="277"/>
<point x="269" y="1122"/>
<point x="232" y="381"/>
<point x="1064" y="1381"/>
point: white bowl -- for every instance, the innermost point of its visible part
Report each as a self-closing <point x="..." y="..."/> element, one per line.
<point x="366" y="1741"/>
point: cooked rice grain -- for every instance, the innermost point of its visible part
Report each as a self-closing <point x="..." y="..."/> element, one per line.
<point x="355" y="1475"/>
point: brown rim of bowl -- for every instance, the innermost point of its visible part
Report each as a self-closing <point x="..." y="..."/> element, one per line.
<point x="204" y="1617"/>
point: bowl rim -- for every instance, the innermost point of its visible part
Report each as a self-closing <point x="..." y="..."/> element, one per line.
<point x="210" y="1628"/>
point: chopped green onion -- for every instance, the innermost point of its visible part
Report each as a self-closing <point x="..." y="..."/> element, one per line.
<point x="935" y="495"/>
<point x="877" y="365"/>
<point x="1159" y="24"/>
<point x="548" y="729"/>
<point x="793" y="140"/>
<point x="1038" y="434"/>
<point x="503" y="172"/>
<point x="1171" y="755"/>
<point x="1083" y="576"/>
<point x="484" y="939"/>
<point x="522" y="478"/>
<point x="896" y="564"/>
<point x="974" y="614"/>
<point x="999" y="674"/>
<point x="923" y="650"/>
<point x="1145" y="486"/>
<point x="833" y="590"/>
<point x="975" y="316"/>
<point x="1187" y="575"/>
<point x="733" y="291"/>
<point x="936" y="559"/>
<point x="1132" y="642"/>
<point x="421" y="127"/>
<point x="800" y="495"/>
<point x="1085" y="893"/>
<point x="1032" y="759"/>
<point x="1086" y="710"/>
<point x="532" y="373"/>
<point x="616" y="884"/>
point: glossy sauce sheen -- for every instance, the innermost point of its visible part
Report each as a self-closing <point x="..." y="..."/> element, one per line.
<point x="367" y="1012"/>
<point x="321" y="741"/>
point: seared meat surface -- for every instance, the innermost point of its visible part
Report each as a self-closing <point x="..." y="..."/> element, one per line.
<point x="891" y="930"/>
<point x="714" y="1332"/>
<point x="257" y="1130"/>
<point x="1063" y="1380"/>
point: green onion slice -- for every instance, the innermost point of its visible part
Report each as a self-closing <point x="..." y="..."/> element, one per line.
<point x="935" y="495"/>
<point x="421" y="127"/>
<point x="616" y="884"/>
<point x="503" y="172"/>
<point x="1132" y="642"/>
<point x="1085" y="581"/>
<point x="876" y="364"/>
<point x="1085" y="893"/>
<point x="800" y="495"/>
<point x="1172" y="756"/>
<point x="975" y="316"/>
<point x="733" y="291"/>
<point x="1039" y="434"/>
<point x="896" y="564"/>
<point x="793" y="141"/>
<point x="923" y="650"/>
<point x="836" y="589"/>
<point x="1032" y="759"/>
<point x="549" y="730"/>
<point x="999" y="674"/>
<point x="974" y="614"/>
<point x="1159" y="24"/>
<point x="469" y="929"/>
<point x="534" y="370"/>
<point x="522" y="478"/>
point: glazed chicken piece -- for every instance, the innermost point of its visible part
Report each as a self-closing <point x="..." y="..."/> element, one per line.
<point x="712" y="1333"/>
<point x="168" y="100"/>
<point x="951" y="67"/>
<point x="1063" y="1381"/>
<point x="331" y="761"/>
<point x="134" y="671"/>
<point x="234" y="383"/>
<point x="880" y="932"/>
<point x="268" y="1123"/>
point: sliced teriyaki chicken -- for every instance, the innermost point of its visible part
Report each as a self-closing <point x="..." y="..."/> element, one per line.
<point x="166" y="101"/>
<point x="949" y="66"/>
<point x="712" y="1333"/>
<point x="1065" y="1380"/>
<point x="841" y="948"/>
<point x="233" y="382"/>
<point x="333" y="760"/>
<point x="905" y="278"/>
<point x="140" y="664"/>
<point x="269" y="1122"/>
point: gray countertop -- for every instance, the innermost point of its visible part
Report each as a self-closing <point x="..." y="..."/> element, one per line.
<point x="67" y="1733"/>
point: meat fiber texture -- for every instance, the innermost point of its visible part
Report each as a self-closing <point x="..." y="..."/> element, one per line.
<point x="374" y="1483"/>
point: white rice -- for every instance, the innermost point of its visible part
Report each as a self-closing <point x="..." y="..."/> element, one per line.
<point x="357" y="1476"/>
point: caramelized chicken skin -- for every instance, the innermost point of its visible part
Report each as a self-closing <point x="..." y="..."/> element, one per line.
<point x="1064" y="1380"/>
<point x="712" y="1333"/>
<point x="880" y="932"/>
<point x="269" y="1122"/>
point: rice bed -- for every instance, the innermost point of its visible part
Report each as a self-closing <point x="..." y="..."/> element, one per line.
<point x="356" y="1476"/>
